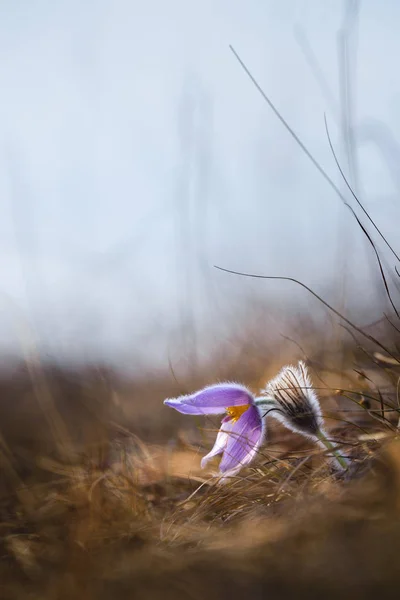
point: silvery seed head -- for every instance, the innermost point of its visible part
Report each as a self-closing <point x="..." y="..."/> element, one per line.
<point x="296" y="403"/>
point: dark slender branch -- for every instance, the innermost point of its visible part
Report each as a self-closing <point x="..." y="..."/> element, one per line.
<point x="288" y="128"/>
<point x="354" y="194"/>
<point x="331" y="308"/>
<point x="390" y="323"/>
<point x="299" y="142"/>
<point x="367" y="235"/>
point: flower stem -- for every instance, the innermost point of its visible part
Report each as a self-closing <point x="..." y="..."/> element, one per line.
<point x="268" y="405"/>
<point x="332" y="448"/>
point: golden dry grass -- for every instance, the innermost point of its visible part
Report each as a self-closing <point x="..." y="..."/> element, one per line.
<point x="102" y="496"/>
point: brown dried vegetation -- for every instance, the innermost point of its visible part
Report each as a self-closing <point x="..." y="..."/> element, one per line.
<point x="101" y="495"/>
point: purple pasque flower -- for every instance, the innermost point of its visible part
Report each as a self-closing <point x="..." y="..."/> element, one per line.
<point x="242" y="429"/>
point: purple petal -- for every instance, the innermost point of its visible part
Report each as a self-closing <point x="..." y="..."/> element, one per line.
<point x="244" y="441"/>
<point x="220" y="442"/>
<point x="212" y="400"/>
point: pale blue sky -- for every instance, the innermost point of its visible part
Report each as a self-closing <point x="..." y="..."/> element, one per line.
<point x="135" y="152"/>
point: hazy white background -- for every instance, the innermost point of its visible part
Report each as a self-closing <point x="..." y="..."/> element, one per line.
<point x="136" y="154"/>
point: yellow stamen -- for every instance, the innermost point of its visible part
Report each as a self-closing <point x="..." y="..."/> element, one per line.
<point x="234" y="412"/>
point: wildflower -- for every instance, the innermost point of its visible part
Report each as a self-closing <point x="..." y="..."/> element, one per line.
<point x="242" y="429"/>
<point x="292" y="400"/>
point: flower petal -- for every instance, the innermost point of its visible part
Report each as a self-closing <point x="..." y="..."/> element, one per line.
<point x="244" y="440"/>
<point x="212" y="400"/>
<point x="220" y="442"/>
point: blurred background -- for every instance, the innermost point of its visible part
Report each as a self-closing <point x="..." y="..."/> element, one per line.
<point x="142" y="145"/>
<point x="136" y="154"/>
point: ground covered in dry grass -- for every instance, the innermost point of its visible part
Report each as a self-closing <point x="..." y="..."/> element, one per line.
<point x="102" y="495"/>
